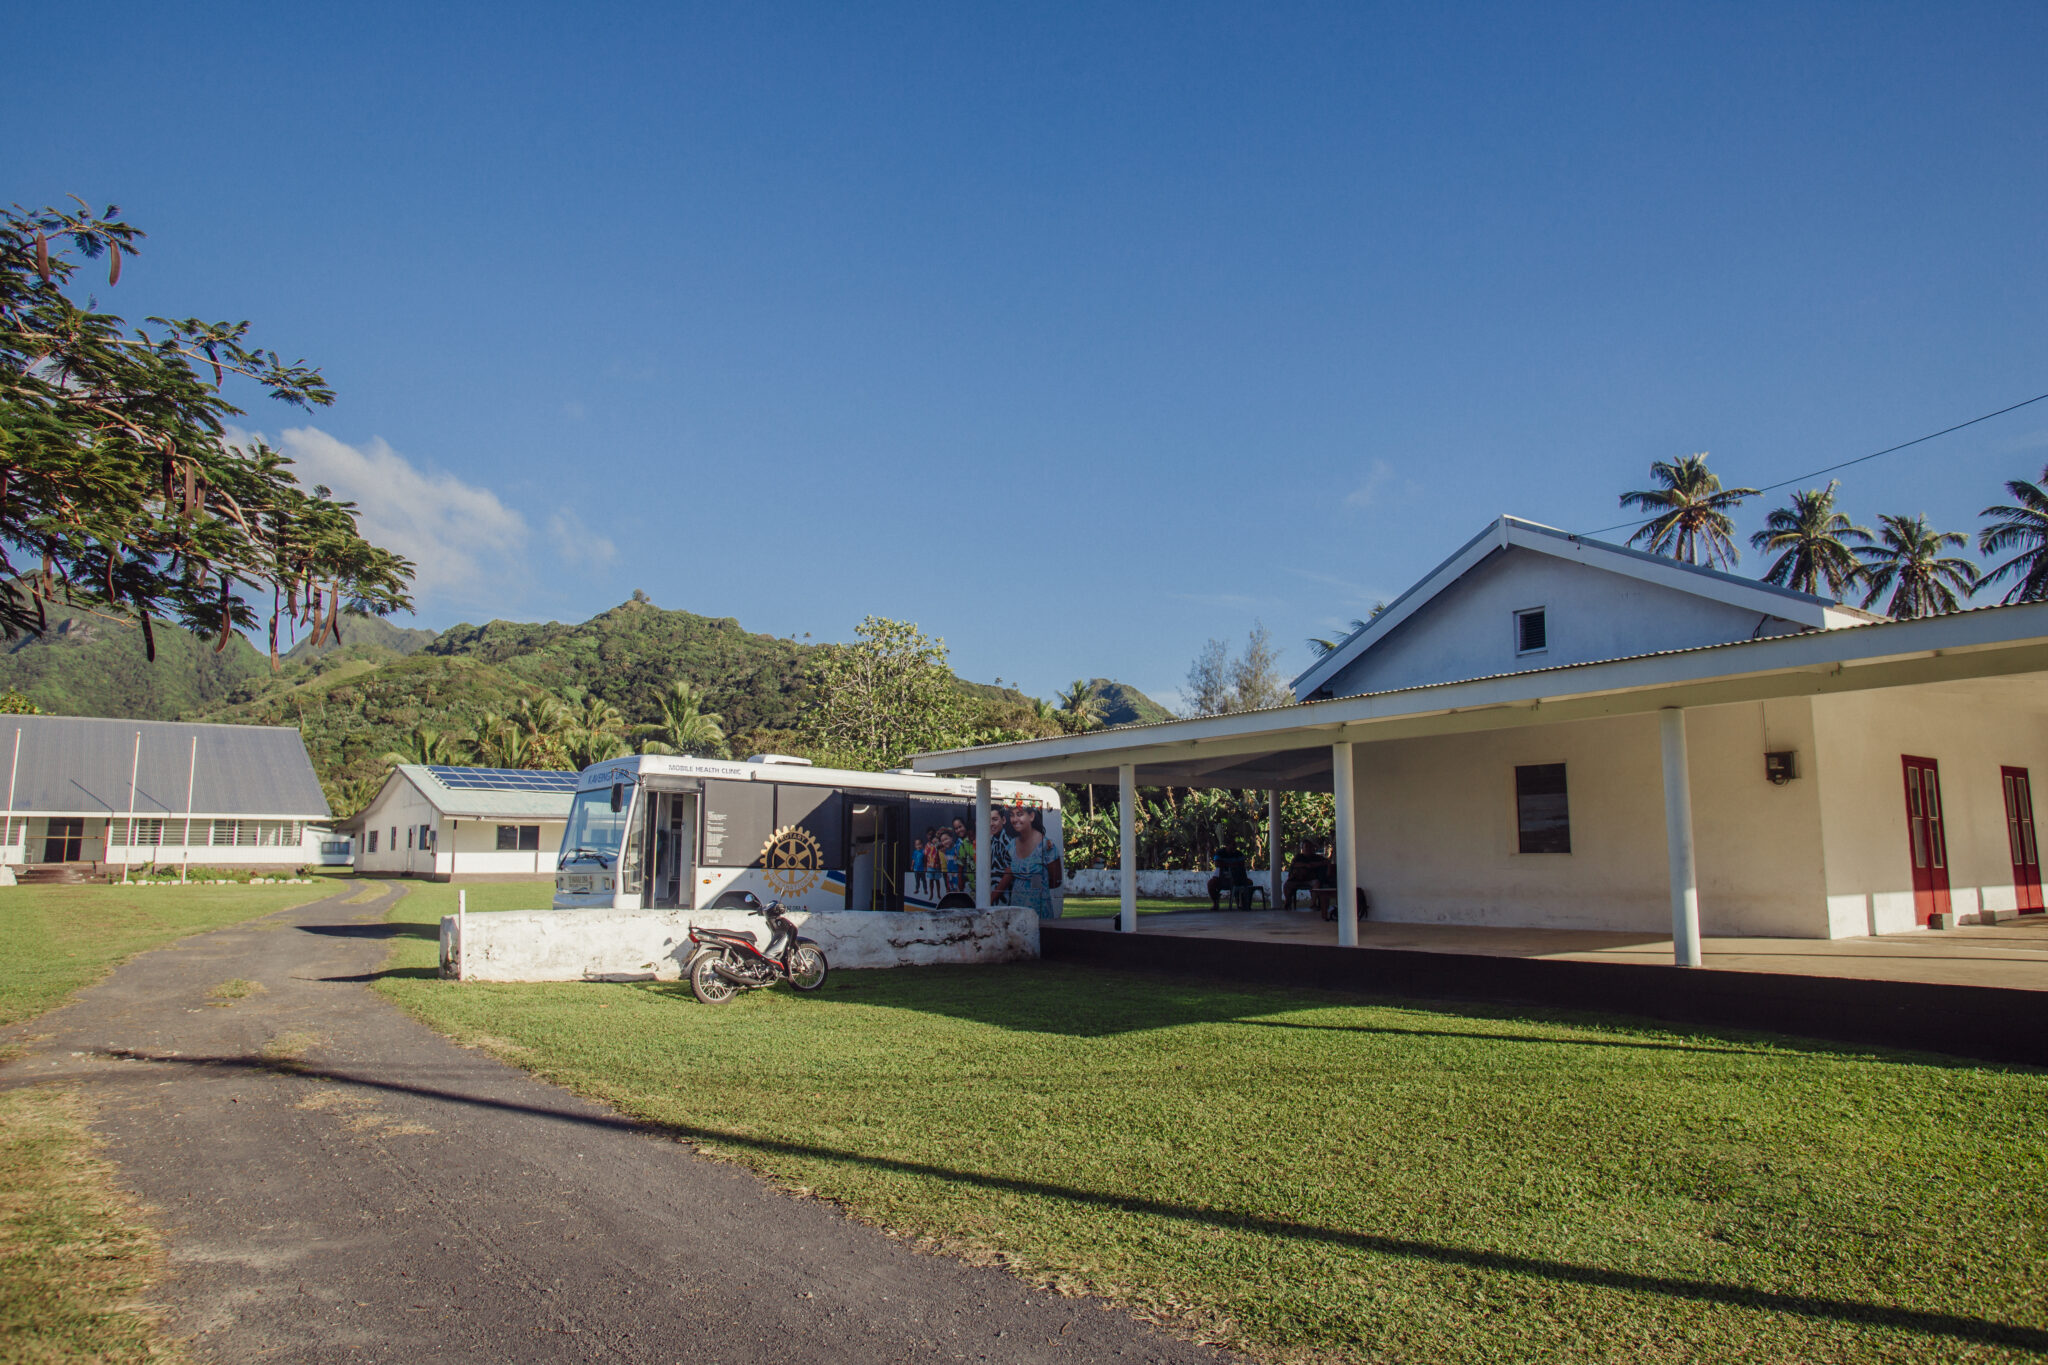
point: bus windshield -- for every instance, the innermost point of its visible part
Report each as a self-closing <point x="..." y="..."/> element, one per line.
<point x="595" y="830"/>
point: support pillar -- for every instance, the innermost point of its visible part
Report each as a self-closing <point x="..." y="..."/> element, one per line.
<point x="1276" y="873"/>
<point x="1347" y="845"/>
<point x="1127" y="840"/>
<point x="1685" y="886"/>
<point x="984" y="847"/>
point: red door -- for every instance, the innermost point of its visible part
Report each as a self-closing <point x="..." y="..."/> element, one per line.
<point x="1930" y="848"/>
<point x="2019" y="832"/>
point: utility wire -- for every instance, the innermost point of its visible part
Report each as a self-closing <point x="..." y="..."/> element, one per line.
<point x="1802" y="478"/>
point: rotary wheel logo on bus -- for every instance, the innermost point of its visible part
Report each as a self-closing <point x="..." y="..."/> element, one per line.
<point x="792" y="862"/>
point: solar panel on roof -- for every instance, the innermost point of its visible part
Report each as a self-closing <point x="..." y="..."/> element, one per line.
<point x="503" y="779"/>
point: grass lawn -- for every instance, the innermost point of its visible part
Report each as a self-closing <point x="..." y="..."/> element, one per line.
<point x="1308" y="1175"/>
<point x="74" y="1254"/>
<point x="1094" y="907"/>
<point x="55" y="939"/>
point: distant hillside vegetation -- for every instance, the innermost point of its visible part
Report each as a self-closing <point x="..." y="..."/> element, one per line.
<point x="1123" y="704"/>
<point x="93" y="666"/>
<point x="365" y="630"/>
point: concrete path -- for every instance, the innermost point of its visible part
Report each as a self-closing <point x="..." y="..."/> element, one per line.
<point x="2012" y="954"/>
<point x="393" y="1197"/>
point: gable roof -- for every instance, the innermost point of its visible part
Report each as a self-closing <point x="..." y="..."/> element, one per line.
<point x="80" y="765"/>
<point x="1787" y="604"/>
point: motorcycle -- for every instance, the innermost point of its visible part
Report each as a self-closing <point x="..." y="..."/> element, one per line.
<point x="724" y="962"/>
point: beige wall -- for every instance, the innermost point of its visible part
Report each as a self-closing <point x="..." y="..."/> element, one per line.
<point x="1969" y="729"/>
<point x="1437" y="839"/>
<point x="470" y="849"/>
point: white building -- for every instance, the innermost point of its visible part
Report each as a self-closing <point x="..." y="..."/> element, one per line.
<point x="89" y="793"/>
<point x="474" y="823"/>
<point x="1556" y="732"/>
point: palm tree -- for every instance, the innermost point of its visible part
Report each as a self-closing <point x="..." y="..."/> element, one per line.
<point x="1908" y="563"/>
<point x="585" y="747"/>
<point x="1689" y="520"/>
<point x="1320" y="647"/>
<point x="427" y="747"/>
<point x="1811" y="539"/>
<point x="2023" y="526"/>
<point x="685" y="726"/>
<point x="1080" y="709"/>
<point x="501" y="744"/>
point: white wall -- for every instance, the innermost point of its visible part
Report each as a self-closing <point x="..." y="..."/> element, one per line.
<point x="171" y="852"/>
<point x="1970" y="729"/>
<point x="581" y="945"/>
<point x="469" y="848"/>
<point x="1437" y="829"/>
<point x="399" y="804"/>
<point x="1468" y="630"/>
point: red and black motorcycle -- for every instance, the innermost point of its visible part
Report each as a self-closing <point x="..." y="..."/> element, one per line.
<point x="724" y="962"/>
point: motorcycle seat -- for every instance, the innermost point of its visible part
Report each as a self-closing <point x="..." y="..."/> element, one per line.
<point x="745" y="934"/>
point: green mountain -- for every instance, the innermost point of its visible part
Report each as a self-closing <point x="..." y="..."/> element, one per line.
<point x="365" y="630"/>
<point x="1125" y="705"/>
<point x="96" y="666"/>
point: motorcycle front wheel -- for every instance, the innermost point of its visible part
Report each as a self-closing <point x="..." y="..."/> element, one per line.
<point x="707" y="985"/>
<point x="807" y="967"/>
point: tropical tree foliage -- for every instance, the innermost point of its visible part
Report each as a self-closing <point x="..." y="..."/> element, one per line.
<point x="2022" y="525"/>
<point x="1181" y="827"/>
<point x="1689" y="510"/>
<point x="1814" y="542"/>
<point x="120" y="492"/>
<point x="1080" y="710"/>
<point x="884" y="697"/>
<point x="685" y="726"/>
<point x="1219" y="683"/>
<point x="1908" y="563"/>
<point x="427" y="746"/>
<point x="1318" y="646"/>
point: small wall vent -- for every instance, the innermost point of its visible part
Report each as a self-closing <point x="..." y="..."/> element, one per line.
<point x="1532" y="631"/>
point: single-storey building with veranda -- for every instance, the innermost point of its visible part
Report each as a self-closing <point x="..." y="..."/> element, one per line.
<point x="90" y="793"/>
<point x="1552" y="731"/>
<point x="443" y="822"/>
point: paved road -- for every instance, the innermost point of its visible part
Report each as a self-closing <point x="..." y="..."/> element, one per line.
<point x="400" y="1198"/>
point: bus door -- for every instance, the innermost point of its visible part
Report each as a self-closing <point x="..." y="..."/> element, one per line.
<point x="672" y="833"/>
<point x="877" y="849"/>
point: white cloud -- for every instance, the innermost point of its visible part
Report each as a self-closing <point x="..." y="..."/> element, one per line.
<point x="466" y="544"/>
<point x="577" y="543"/>
<point x="1381" y="482"/>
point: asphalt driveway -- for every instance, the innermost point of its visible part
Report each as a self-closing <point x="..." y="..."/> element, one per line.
<point x="338" y="1182"/>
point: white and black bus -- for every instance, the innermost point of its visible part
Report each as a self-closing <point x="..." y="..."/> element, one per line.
<point x="658" y="832"/>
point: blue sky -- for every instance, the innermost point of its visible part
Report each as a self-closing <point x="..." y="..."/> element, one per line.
<point x="1077" y="335"/>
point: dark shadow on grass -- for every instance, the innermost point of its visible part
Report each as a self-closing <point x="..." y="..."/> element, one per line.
<point x="1954" y="1326"/>
<point x="382" y="929"/>
<point x="390" y="974"/>
<point x="1505" y="1037"/>
<point x="1079" y="1000"/>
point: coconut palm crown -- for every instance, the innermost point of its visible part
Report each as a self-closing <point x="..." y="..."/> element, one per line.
<point x="2022" y="526"/>
<point x="1689" y="513"/>
<point x="1812" y="540"/>
<point x="1908" y="563"/>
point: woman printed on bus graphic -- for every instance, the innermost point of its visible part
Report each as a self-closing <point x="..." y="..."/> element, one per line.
<point x="1034" y="864"/>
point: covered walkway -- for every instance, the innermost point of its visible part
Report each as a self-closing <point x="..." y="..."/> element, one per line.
<point x="2012" y="955"/>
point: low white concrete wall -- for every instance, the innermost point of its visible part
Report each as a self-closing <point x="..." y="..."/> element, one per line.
<point x="585" y="945"/>
<point x="1103" y="881"/>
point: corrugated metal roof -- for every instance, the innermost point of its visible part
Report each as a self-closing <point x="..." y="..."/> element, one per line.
<point x="79" y="765"/>
<point x="489" y="802"/>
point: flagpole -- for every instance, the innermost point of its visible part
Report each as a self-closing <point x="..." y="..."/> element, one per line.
<point x="12" y="768"/>
<point x="191" y="771"/>
<point x="128" y="844"/>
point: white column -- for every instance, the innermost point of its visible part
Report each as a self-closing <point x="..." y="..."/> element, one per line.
<point x="1685" y="885"/>
<point x="1127" y="832"/>
<point x="1347" y="846"/>
<point x="984" y="850"/>
<point x="1276" y="873"/>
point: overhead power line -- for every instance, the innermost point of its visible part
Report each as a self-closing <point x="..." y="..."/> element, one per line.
<point x="1829" y="469"/>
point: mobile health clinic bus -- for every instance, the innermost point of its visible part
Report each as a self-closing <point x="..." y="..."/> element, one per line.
<point x="658" y="832"/>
